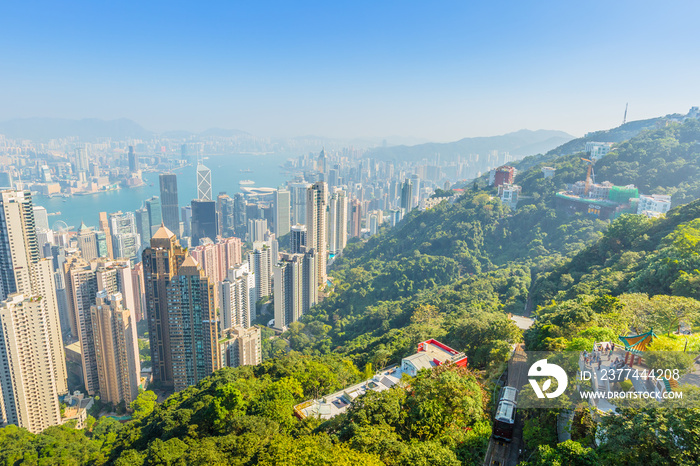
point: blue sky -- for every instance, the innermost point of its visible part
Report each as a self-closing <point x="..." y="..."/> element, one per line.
<point x="434" y="70"/>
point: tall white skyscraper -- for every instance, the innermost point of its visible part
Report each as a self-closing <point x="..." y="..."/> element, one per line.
<point x="28" y="385"/>
<point x="23" y="272"/>
<point x="257" y="227"/>
<point x="116" y="348"/>
<point x="260" y="263"/>
<point x="237" y="297"/>
<point x="296" y="288"/>
<point x="337" y="221"/>
<point x="317" y="227"/>
<point x="203" y="182"/>
<point x="125" y="238"/>
<point x="282" y="212"/>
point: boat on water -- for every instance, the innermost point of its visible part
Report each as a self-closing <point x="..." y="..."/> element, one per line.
<point x="246" y="182"/>
<point x="247" y="170"/>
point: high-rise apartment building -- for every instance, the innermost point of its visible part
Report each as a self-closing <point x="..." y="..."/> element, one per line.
<point x="337" y="221"/>
<point x="296" y="287"/>
<point x="169" y="202"/>
<point x="22" y="270"/>
<point x="28" y="382"/>
<point x="260" y="263"/>
<point x="217" y="258"/>
<point x="297" y="191"/>
<point x="241" y="347"/>
<point x="160" y="264"/>
<point x="317" y="227"/>
<point x="203" y="183"/>
<point x="282" y="211"/>
<point x="116" y="349"/>
<point x="81" y="285"/>
<point x="407" y="194"/>
<point x="257" y="227"/>
<point x="297" y="238"/>
<point x="193" y="325"/>
<point x="237" y="297"/>
<point x="355" y="211"/>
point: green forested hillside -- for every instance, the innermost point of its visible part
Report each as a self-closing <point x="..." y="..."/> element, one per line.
<point x="244" y="417"/>
<point x="453" y="273"/>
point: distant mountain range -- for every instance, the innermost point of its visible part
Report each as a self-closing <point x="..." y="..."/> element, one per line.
<point x="87" y="129"/>
<point x="519" y="144"/>
<point x="619" y="134"/>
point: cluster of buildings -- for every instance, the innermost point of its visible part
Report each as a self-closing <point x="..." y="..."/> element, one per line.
<point x="603" y="200"/>
<point x="72" y="302"/>
<point x="431" y="353"/>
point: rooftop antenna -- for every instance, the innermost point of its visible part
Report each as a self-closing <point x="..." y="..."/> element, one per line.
<point x="624" y="119"/>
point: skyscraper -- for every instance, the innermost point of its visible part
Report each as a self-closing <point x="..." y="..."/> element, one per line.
<point x="81" y="285"/>
<point x="241" y="347"/>
<point x="203" y="220"/>
<point x="297" y="238"/>
<point x="317" y="227"/>
<point x="104" y="227"/>
<point x="22" y="270"/>
<point x="217" y="258"/>
<point x="193" y="325"/>
<point x="186" y="220"/>
<point x="169" y="202"/>
<point x="407" y="194"/>
<point x="203" y="182"/>
<point x="41" y="218"/>
<point x="240" y="217"/>
<point x="28" y="382"/>
<point x="298" y="193"/>
<point x="355" y="217"/>
<point x="81" y="163"/>
<point x="87" y="243"/>
<point x="133" y="160"/>
<point x="125" y="238"/>
<point x="155" y="216"/>
<point x="296" y="287"/>
<point x="160" y="264"/>
<point x="282" y="211"/>
<point x="257" y="227"/>
<point x="237" y="297"/>
<point x="260" y="263"/>
<point x="143" y="225"/>
<point x="116" y="349"/>
<point x="337" y="221"/>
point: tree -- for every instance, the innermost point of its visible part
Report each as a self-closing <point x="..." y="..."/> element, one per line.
<point x="568" y="453"/>
<point x="144" y="404"/>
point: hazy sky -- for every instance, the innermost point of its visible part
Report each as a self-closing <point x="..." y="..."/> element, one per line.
<point x="439" y="70"/>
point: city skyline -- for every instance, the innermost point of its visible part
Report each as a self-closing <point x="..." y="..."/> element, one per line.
<point x="437" y="73"/>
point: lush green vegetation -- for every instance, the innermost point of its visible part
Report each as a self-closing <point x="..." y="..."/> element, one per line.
<point x="453" y="273"/>
<point x="245" y="416"/>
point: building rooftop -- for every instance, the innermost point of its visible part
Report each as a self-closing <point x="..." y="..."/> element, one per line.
<point x="163" y="233"/>
<point x="431" y="353"/>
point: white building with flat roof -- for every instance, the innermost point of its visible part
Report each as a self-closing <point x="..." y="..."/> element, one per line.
<point x="656" y="204"/>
